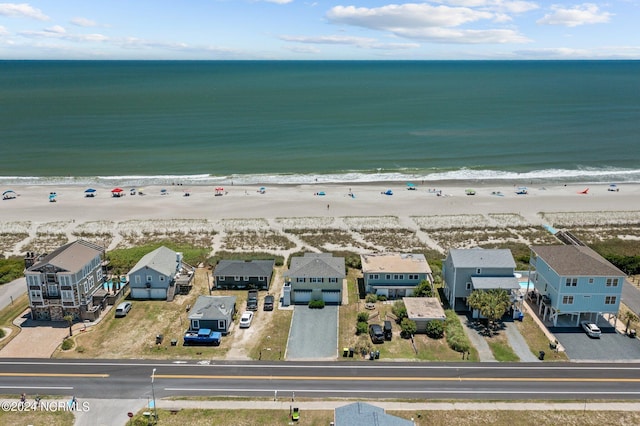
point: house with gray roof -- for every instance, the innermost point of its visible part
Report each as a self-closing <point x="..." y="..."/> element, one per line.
<point x="363" y="414"/>
<point x="466" y="270"/>
<point x="66" y="282"/>
<point x="314" y="276"/>
<point x="574" y="281"/>
<point x="243" y="274"/>
<point x="212" y="312"/>
<point x="156" y="274"/>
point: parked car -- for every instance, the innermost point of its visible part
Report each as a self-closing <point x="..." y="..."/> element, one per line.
<point x="252" y="300"/>
<point x="123" y="309"/>
<point x="268" y="302"/>
<point x="591" y="329"/>
<point x="245" y="319"/>
<point x="375" y="331"/>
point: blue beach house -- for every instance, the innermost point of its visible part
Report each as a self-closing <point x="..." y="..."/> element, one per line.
<point x="575" y="281"/>
<point x="466" y="270"/>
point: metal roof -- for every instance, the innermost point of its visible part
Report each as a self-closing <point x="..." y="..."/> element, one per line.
<point x="71" y="257"/>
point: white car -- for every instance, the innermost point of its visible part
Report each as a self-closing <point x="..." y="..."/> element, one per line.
<point x="245" y="319"/>
<point x="591" y="329"/>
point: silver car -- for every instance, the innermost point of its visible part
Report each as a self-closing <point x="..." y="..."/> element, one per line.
<point x="591" y="329"/>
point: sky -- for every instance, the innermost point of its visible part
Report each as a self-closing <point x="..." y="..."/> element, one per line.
<point x="319" y="30"/>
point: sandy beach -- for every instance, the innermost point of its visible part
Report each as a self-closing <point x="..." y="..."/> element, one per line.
<point x="73" y="213"/>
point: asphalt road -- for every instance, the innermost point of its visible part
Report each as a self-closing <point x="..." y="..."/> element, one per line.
<point x="132" y="380"/>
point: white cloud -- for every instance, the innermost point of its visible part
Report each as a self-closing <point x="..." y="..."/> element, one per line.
<point x="362" y="42"/>
<point x="586" y="13"/>
<point x="554" y="53"/>
<point x="22" y="10"/>
<point x="408" y="15"/>
<point x="3" y="31"/>
<point x="515" y="6"/>
<point x="279" y="1"/>
<point x="429" y="23"/>
<point x="56" y="29"/>
<point x="58" y="32"/>
<point x="83" y="22"/>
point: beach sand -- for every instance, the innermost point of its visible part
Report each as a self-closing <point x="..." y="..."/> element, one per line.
<point x="72" y="208"/>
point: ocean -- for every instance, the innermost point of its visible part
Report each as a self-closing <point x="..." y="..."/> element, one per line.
<point x="281" y="122"/>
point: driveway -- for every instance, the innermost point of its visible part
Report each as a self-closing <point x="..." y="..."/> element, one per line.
<point x="37" y="339"/>
<point x="313" y="334"/>
<point x="611" y="346"/>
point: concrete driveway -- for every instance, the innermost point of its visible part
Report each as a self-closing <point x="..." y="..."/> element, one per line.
<point x="37" y="339"/>
<point x="313" y="334"/>
<point x="611" y="346"/>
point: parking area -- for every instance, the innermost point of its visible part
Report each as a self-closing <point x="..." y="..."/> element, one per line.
<point x="611" y="346"/>
<point x="313" y="334"/>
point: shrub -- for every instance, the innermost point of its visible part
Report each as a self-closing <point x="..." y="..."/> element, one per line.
<point x="67" y="344"/>
<point x="456" y="338"/>
<point x="399" y="310"/>
<point x="408" y="328"/>
<point x="361" y="328"/>
<point x="381" y="297"/>
<point x="2" y="333"/>
<point x="316" y="304"/>
<point x="435" y="329"/>
<point x="371" y="298"/>
<point x="363" y="345"/>
<point x="363" y="316"/>
<point x="10" y="269"/>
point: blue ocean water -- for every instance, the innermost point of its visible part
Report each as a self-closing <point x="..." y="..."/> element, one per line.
<point x="298" y="121"/>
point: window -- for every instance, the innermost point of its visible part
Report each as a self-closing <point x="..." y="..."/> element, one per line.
<point x="99" y="274"/>
<point x="388" y="276"/>
<point x="610" y="300"/>
<point x="299" y="280"/>
<point x="90" y="281"/>
<point x="149" y="278"/>
<point x="567" y="300"/>
<point x="237" y="278"/>
<point x="36" y="294"/>
<point x="333" y="280"/>
<point x="478" y="271"/>
<point x="245" y="278"/>
<point x="67" y="295"/>
<point x="612" y="282"/>
<point x="413" y="276"/>
<point x="571" y="282"/>
<point x="86" y="287"/>
<point x="222" y="324"/>
<point x="590" y="280"/>
<point x="52" y="290"/>
<point x="468" y="286"/>
<point x="374" y="277"/>
<point x="262" y="279"/>
<point x="136" y="279"/>
<point x="195" y="324"/>
<point x="161" y="277"/>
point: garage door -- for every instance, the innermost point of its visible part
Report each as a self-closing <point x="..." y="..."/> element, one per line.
<point x="158" y="293"/>
<point x="301" y="296"/>
<point x="333" y="297"/>
<point x="139" y="293"/>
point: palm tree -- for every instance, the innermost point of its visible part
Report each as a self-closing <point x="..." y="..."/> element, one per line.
<point x="492" y="304"/>
<point x="69" y="318"/>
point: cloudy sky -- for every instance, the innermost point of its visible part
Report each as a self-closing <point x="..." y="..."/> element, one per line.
<point x="322" y="29"/>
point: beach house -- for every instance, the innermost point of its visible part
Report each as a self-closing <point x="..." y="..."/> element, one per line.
<point x="65" y="281"/>
<point x="466" y="270"/>
<point x="394" y="275"/>
<point x="241" y="274"/>
<point x="159" y="274"/>
<point x="314" y="276"/>
<point x="213" y="312"/>
<point x="574" y="281"/>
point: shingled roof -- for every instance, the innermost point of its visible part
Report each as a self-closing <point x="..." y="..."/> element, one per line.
<point x="569" y="260"/>
<point x="317" y="265"/>
<point x="70" y="257"/>
<point x="244" y="268"/>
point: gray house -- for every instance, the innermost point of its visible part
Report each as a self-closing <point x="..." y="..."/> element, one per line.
<point x="156" y="274"/>
<point x="212" y="312"/>
<point x="465" y="270"/>
<point x="314" y="276"/>
<point x="241" y="274"/>
<point x="67" y="281"/>
<point x="363" y="414"/>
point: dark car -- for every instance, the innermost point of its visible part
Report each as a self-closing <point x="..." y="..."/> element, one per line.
<point x="268" y="302"/>
<point x="375" y="331"/>
<point x="388" y="331"/>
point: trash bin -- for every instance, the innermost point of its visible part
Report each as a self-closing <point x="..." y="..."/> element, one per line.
<point x="377" y="354"/>
<point x="174" y="342"/>
<point x="541" y="355"/>
<point x="159" y="338"/>
<point x="345" y="352"/>
<point x="372" y="355"/>
<point x="351" y="350"/>
<point x="632" y="333"/>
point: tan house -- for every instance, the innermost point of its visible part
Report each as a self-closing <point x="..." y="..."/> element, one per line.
<point x="394" y="275"/>
<point x="421" y="310"/>
<point x="65" y="282"/>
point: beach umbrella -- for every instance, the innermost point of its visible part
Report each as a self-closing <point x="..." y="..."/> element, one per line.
<point x="9" y="194"/>
<point x="117" y="190"/>
<point x="90" y="191"/>
<point x="52" y="196"/>
<point x="470" y="192"/>
<point x="163" y="191"/>
<point x="388" y="192"/>
<point x="411" y="185"/>
<point x="9" y="191"/>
